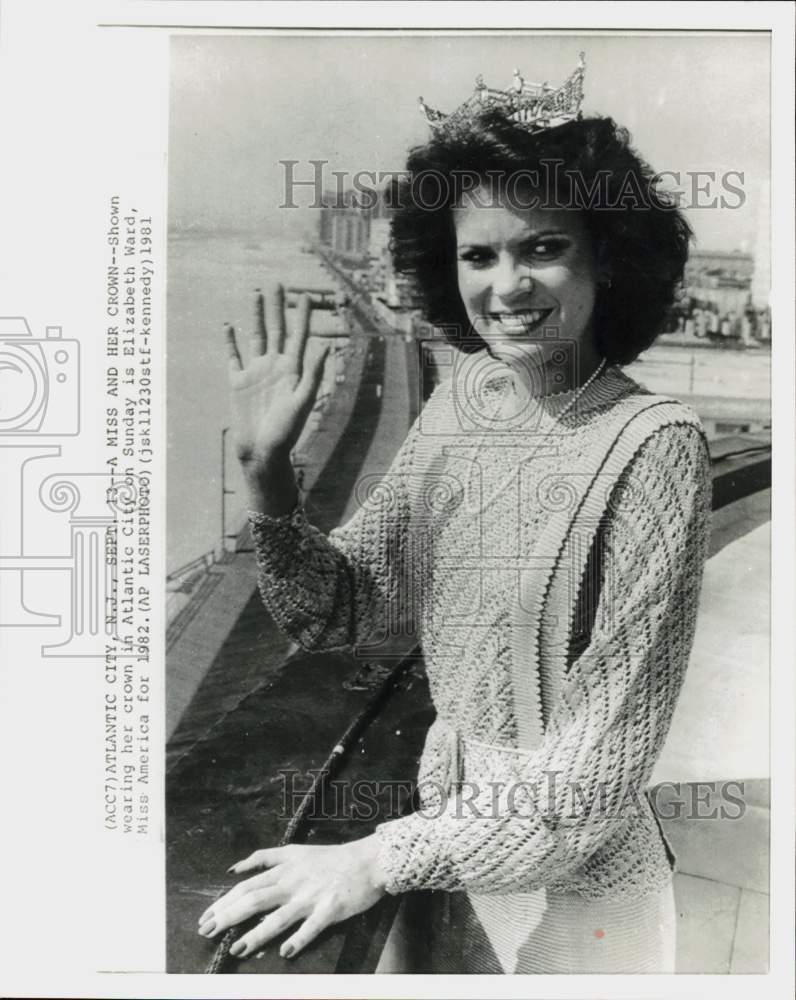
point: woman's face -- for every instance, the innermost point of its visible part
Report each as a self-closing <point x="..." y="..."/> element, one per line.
<point x="528" y="279"/>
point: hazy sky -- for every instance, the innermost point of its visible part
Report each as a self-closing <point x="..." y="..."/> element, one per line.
<point x="239" y="104"/>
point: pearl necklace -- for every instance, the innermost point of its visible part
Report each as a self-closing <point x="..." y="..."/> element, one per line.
<point x="504" y="485"/>
<point x="579" y="392"/>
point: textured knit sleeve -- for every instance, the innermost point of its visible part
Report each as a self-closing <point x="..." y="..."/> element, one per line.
<point x="339" y="590"/>
<point x="550" y="809"/>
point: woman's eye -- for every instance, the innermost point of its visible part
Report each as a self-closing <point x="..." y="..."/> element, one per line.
<point x="476" y="256"/>
<point x="546" y="249"/>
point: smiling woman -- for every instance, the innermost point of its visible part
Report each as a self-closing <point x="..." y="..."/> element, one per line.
<point x="544" y="526"/>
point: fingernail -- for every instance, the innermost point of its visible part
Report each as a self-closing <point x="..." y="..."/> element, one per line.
<point x="287" y="951"/>
<point x="238" y="948"/>
<point x="232" y="868"/>
<point x="207" y="929"/>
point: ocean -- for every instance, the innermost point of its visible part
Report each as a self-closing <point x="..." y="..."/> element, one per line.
<point x="212" y="281"/>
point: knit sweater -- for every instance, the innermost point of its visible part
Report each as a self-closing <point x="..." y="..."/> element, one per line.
<point x="552" y="568"/>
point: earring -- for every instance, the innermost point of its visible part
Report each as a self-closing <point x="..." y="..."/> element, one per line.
<point x="606" y="282"/>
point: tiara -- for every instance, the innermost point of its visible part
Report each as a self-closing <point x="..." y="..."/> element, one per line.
<point x="534" y="107"/>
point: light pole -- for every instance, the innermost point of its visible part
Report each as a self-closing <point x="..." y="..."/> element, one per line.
<point x="224" y="492"/>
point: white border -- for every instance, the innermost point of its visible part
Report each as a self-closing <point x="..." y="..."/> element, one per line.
<point x="75" y="26"/>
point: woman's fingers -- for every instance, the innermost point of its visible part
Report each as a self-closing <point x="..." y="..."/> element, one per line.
<point x="312" y="376"/>
<point x="234" y="362"/>
<point x="317" y="921"/>
<point x="275" y="316"/>
<point x="312" y="886"/>
<point x="256" y="882"/>
<point x="259" y="337"/>
<point x="274" y="924"/>
<point x="268" y="857"/>
<point x="245" y="906"/>
<point x="297" y="338"/>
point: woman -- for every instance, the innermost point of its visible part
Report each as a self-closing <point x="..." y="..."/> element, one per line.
<point x="547" y="520"/>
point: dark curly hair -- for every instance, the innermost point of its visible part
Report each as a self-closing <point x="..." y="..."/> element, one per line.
<point x="639" y="231"/>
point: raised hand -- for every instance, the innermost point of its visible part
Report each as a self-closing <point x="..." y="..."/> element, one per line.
<point x="272" y="397"/>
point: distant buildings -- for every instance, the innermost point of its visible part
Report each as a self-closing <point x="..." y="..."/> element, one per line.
<point x="346" y="225"/>
<point x="719" y="279"/>
<point x="360" y="238"/>
<point x="724" y="299"/>
<point x="345" y="228"/>
<point x="761" y="279"/>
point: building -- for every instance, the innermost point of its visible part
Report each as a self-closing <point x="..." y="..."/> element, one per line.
<point x="344" y="227"/>
<point x="761" y="278"/>
<point x="379" y="253"/>
<point x="719" y="280"/>
<point x="360" y="237"/>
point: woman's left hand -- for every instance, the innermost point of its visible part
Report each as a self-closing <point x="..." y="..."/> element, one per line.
<point x="316" y="885"/>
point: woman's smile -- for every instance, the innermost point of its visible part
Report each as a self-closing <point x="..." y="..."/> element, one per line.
<point x="519" y="323"/>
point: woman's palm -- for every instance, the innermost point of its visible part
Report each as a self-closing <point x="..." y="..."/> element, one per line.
<point x="272" y="395"/>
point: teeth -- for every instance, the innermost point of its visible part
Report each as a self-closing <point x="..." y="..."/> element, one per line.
<point x="530" y="318"/>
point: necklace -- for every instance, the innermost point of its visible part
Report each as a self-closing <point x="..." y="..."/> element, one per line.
<point x="514" y="472"/>
<point x="579" y="392"/>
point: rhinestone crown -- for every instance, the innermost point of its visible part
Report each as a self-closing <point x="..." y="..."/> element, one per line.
<point x="532" y="106"/>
